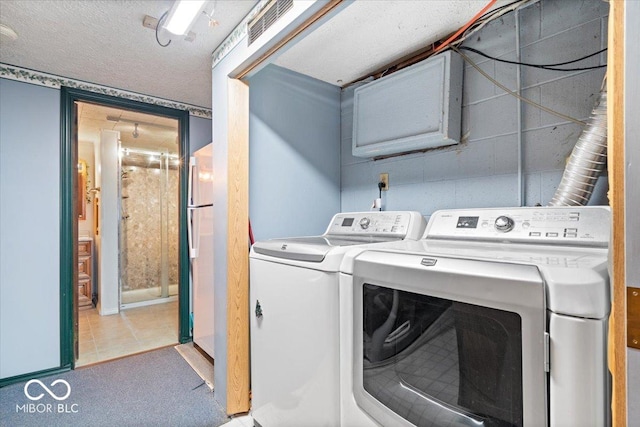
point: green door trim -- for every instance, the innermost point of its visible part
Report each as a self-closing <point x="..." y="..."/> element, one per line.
<point x="67" y="152"/>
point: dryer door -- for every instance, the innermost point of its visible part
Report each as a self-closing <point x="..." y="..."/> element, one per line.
<point x="441" y="341"/>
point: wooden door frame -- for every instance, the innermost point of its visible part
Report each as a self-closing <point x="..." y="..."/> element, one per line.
<point x="238" y="364"/>
<point x="616" y="146"/>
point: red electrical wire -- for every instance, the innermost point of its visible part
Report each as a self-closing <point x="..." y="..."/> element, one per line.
<point x="467" y="25"/>
<point x="251" y="239"/>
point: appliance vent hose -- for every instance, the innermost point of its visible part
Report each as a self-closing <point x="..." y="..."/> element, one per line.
<point x="587" y="161"/>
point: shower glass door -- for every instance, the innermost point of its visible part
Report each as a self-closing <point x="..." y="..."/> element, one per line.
<point x="148" y="226"/>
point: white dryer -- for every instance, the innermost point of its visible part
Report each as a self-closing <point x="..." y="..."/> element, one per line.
<point x="496" y="317"/>
<point x="294" y="316"/>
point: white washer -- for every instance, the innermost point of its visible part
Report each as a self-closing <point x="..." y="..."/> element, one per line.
<point x="294" y="316"/>
<point x="496" y="317"/>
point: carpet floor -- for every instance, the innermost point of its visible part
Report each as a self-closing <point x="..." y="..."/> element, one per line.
<point x="157" y="388"/>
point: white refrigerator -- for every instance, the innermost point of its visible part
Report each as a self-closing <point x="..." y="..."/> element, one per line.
<point x="200" y="227"/>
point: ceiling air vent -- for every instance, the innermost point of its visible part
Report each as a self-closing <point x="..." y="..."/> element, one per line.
<point x="268" y="17"/>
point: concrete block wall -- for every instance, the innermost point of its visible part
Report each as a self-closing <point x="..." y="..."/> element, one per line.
<point x="482" y="171"/>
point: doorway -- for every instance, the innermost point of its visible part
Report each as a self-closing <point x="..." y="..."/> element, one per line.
<point x="146" y="281"/>
<point x="141" y="189"/>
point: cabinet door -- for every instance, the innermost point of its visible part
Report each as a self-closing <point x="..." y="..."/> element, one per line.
<point x="84" y="248"/>
<point x="84" y="267"/>
<point x="84" y="288"/>
<point x="84" y="275"/>
<point x="84" y="293"/>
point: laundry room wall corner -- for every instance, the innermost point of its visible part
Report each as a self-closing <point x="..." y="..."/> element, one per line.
<point x="294" y="161"/>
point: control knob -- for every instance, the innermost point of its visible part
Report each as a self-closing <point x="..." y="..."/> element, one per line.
<point x="504" y="224"/>
<point x="364" y="223"/>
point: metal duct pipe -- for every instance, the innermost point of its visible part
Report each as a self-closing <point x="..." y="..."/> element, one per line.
<point x="588" y="159"/>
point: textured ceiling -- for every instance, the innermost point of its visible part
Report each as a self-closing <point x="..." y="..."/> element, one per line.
<point x="104" y="42"/>
<point x="368" y="35"/>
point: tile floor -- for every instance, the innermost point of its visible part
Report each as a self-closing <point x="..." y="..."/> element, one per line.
<point x="130" y="331"/>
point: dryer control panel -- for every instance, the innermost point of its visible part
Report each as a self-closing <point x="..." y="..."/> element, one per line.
<point x="397" y="224"/>
<point x="574" y="225"/>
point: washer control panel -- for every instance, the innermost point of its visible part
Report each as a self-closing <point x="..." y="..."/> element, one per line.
<point x="379" y="223"/>
<point x="504" y="223"/>
<point x="574" y="225"/>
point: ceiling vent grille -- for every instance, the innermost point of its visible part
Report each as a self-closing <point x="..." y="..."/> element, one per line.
<point x="267" y="18"/>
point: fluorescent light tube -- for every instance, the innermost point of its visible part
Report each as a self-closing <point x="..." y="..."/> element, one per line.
<point x="182" y="15"/>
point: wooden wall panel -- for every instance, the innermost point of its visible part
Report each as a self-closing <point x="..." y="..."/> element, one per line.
<point x="615" y="118"/>
<point x="238" y="250"/>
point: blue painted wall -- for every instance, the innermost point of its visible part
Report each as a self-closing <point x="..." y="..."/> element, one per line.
<point x="481" y="171"/>
<point x="294" y="154"/>
<point x="200" y="130"/>
<point x="30" y="228"/>
<point x="30" y="220"/>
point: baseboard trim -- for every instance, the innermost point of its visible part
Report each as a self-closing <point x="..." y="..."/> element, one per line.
<point x="29" y="376"/>
<point x="109" y="312"/>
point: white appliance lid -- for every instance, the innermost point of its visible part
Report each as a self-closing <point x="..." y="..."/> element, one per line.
<point x="346" y="229"/>
<point x="576" y="280"/>
<point x="313" y="248"/>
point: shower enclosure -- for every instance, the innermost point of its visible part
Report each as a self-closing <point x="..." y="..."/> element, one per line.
<point x="148" y="227"/>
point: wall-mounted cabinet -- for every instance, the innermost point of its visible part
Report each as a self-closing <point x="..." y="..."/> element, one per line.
<point x="413" y="109"/>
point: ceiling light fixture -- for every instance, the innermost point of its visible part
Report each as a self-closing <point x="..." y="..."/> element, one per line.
<point x="7" y="32"/>
<point x="212" y="21"/>
<point x="135" y="131"/>
<point x="118" y="119"/>
<point x="182" y="15"/>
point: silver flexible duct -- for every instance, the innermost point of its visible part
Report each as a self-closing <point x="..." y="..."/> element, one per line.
<point x="588" y="159"/>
